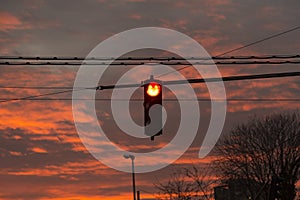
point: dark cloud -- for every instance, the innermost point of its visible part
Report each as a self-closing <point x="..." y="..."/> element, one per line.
<point x="41" y="154"/>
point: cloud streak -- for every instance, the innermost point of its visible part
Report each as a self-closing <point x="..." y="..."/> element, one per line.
<point x="42" y="156"/>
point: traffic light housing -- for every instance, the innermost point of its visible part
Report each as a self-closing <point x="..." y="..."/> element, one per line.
<point x="152" y="107"/>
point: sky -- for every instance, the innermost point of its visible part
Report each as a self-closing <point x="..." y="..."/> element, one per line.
<point x="41" y="153"/>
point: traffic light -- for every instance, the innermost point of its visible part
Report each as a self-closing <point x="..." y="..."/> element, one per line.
<point x="152" y="107"/>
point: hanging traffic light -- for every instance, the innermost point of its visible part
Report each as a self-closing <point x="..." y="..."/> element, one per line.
<point x="152" y="107"/>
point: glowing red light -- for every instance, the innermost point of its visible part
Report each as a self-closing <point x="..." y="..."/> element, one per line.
<point x="153" y="89"/>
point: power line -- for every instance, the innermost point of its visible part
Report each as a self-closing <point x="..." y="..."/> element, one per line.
<point x="40" y="95"/>
<point x="202" y="80"/>
<point x="166" y="99"/>
<point x="191" y="81"/>
<point x="36" y="96"/>
<point x="220" y="56"/>
<point x="260" y="41"/>
<point x="187" y="64"/>
<point x="228" y="78"/>
<point x="258" y="57"/>
<point x="31" y="58"/>
<point x="40" y="87"/>
<point x="242" y="47"/>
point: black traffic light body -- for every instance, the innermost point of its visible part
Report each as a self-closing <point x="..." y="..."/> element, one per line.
<point x="153" y="107"/>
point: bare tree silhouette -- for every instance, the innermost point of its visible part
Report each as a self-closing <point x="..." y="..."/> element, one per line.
<point x="187" y="184"/>
<point x="264" y="154"/>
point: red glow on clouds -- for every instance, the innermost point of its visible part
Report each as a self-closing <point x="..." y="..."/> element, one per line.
<point x="38" y="150"/>
<point x="8" y="21"/>
<point x="41" y="150"/>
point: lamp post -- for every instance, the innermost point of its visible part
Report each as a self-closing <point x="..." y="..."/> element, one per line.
<point x="126" y="156"/>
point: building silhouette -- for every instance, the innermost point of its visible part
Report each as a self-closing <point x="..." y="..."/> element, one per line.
<point x="237" y="190"/>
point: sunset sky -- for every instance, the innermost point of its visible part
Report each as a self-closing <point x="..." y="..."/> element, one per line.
<point x="41" y="154"/>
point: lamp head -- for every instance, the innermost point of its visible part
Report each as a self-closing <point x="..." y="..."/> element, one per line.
<point x="126" y="156"/>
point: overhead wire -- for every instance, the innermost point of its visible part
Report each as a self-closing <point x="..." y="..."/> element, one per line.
<point x="243" y="62"/>
<point x="260" y="41"/>
<point x="40" y="95"/>
<point x="122" y="63"/>
<point x="40" y="87"/>
<point x="242" y="47"/>
<point x="165" y="99"/>
<point x="35" y="96"/>
<point x="48" y="58"/>
<point x="191" y="81"/>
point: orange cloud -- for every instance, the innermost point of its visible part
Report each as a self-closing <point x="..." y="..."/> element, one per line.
<point x="176" y="25"/>
<point x="15" y="153"/>
<point x="66" y="171"/>
<point x="38" y="150"/>
<point x="11" y="22"/>
<point x="8" y="21"/>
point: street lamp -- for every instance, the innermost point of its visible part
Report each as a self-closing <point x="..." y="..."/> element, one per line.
<point x="126" y="156"/>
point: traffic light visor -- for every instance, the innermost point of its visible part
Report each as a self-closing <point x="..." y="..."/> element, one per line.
<point x="153" y="89"/>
